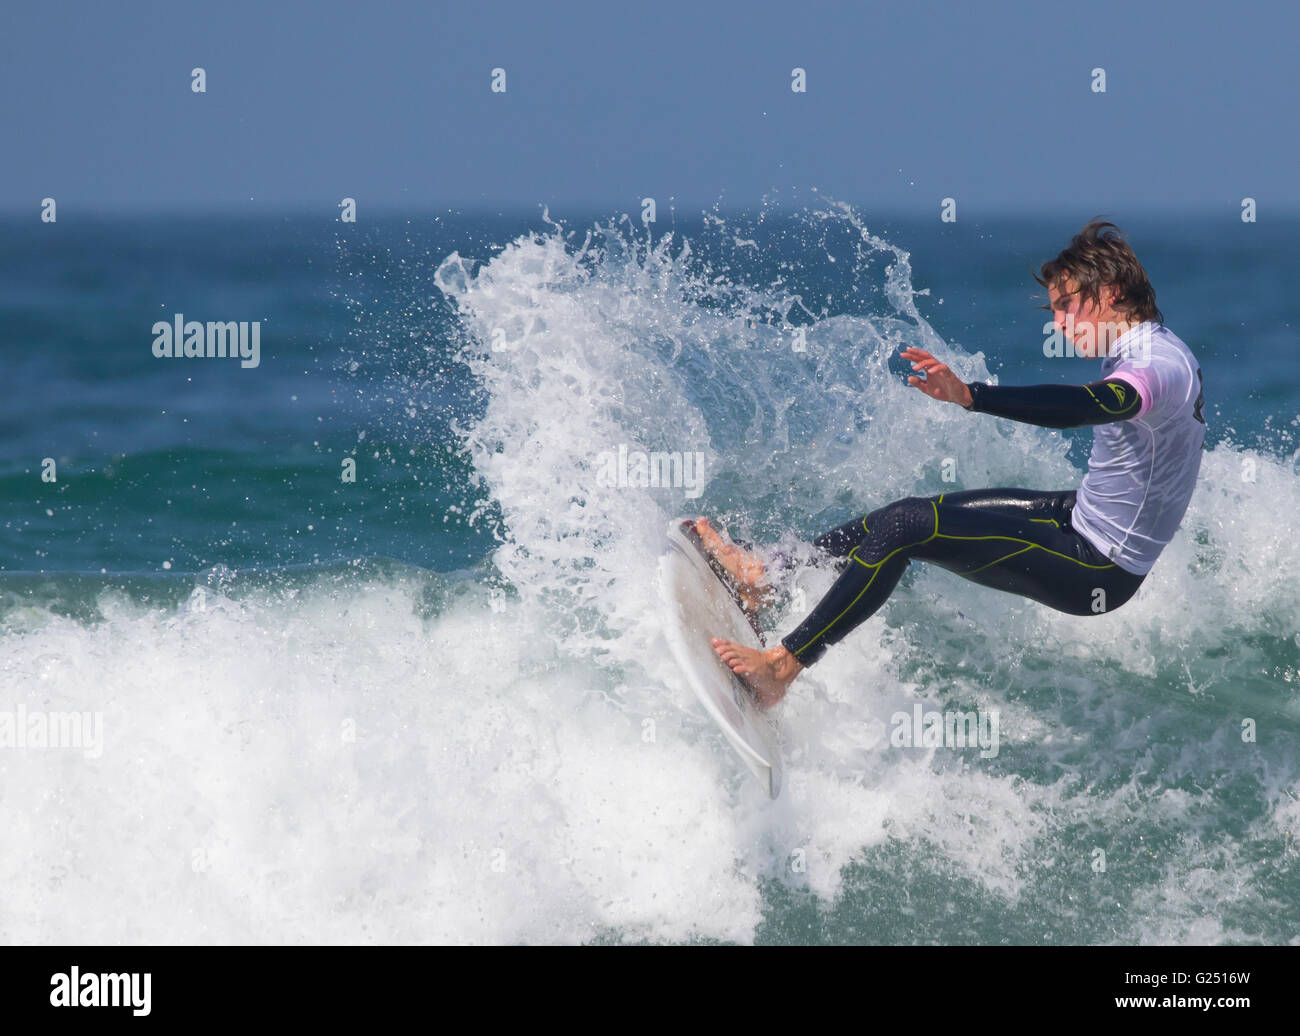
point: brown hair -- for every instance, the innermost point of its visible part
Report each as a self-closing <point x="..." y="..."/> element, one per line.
<point x="1098" y="257"/>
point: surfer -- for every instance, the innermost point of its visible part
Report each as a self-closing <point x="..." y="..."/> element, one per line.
<point x="1084" y="551"/>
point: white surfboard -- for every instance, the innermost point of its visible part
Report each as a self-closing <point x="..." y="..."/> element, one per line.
<point x="698" y="607"/>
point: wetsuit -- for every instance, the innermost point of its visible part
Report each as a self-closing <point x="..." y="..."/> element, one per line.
<point x="1022" y="541"/>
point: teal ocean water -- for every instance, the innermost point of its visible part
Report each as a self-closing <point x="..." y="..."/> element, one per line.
<point x="378" y="653"/>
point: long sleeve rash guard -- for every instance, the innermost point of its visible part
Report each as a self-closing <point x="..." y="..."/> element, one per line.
<point x="1058" y="406"/>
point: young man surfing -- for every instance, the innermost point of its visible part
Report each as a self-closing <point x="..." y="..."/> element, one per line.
<point x="1084" y="551"/>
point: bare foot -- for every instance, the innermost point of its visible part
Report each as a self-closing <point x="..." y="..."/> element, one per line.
<point x="768" y="674"/>
<point x="745" y="569"/>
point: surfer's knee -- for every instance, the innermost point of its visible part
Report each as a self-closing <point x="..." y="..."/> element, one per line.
<point x="904" y="523"/>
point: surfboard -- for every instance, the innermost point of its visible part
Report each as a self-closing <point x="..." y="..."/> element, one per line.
<point x="698" y="605"/>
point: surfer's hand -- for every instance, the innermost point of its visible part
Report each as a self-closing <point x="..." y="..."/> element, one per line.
<point x="939" y="382"/>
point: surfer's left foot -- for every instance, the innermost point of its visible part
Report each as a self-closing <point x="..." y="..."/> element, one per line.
<point x="745" y="569"/>
<point x="768" y="674"/>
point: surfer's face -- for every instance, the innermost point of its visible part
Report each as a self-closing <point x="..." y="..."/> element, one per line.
<point x="1081" y="321"/>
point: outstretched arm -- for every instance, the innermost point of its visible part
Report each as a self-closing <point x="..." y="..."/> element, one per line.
<point x="1052" y="406"/>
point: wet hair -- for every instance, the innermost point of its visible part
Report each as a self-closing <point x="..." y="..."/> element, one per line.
<point x="1099" y="257"/>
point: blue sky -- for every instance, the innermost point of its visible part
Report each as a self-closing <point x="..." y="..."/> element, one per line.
<point x="606" y="103"/>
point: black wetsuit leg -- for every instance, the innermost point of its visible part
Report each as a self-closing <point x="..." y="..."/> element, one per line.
<point x="1016" y="540"/>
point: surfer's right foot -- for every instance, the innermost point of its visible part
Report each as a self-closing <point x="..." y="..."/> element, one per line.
<point x="767" y="673"/>
<point x="745" y="569"/>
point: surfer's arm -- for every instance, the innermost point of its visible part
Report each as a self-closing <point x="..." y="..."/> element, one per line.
<point x="1058" y="406"/>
